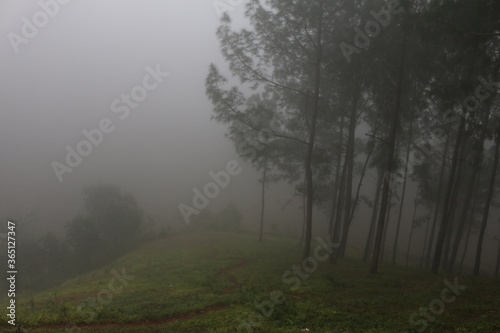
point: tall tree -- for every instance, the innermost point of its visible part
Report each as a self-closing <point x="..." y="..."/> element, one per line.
<point x="491" y="188"/>
<point x="389" y="162"/>
<point x="283" y="55"/>
<point x="371" y="232"/>
<point x="263" y="199"/>
<point x="405" y="177"/>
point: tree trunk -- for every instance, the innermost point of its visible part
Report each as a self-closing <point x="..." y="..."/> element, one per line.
<point x="484" y="222"/>
<point x="304" y="218"/>
<point x="396" y="238"/>
<point x="436" y="262"/>
<point x="360" y="183"/>
<point x="467" y="239"/>
<point x="386" y="228"/>
<point x="335" y="192"/>
<point x="497" y="266"/>
<point x="438" y="203"/>
<point x="469" y="228"/>
<point x="371" y="231"/>
<point x="338" y="216"/>
<point x="389" y="165"/>
<point x="361" y="178"/>
<point x="340" y="211"/>
<point x="350" y="168"/>
<point x="261" y="232"/>
<point x="461" y="224"/>
<point x="426" y="240"/>
<point x="412" y="226"/>
<point x="312" y="138"/>
<point x="476" y="166"/>
<point x="453" y="205"/>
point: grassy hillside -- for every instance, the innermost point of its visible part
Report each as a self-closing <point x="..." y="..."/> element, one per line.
<point x="216" y="282"/>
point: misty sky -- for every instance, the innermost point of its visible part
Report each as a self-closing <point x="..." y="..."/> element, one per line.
<point x="65" y="79"/>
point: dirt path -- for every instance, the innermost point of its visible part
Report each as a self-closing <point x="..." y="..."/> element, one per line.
<point x="234" y="281"/>
<point x="226" y="271"/>
<point x="160" y="321"/>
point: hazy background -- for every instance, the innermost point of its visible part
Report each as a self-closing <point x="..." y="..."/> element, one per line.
<point x="64" y="81"/>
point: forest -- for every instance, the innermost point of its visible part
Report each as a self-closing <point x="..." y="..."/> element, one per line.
<point x="331" y="89"/>
<point x="316" y="166"/>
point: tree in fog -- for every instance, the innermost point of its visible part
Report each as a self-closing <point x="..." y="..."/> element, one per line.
<point x="109" y="226"/>
<point x="282" y="55"/>
<point x="228" y="218"/>
<point x="491" y="189"/>
<point x="466" y="50"/>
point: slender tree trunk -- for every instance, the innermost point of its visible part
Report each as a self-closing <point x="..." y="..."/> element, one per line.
<point x="353" y="119"/>
<point x="304" y="218"/>
<point x="497" y="266"/>
<point x="469" y="227"/>
<point x="371" y="231"/>
<point x="459" y="235"/>
<point x="312" y="138"/>
<point x="309" y="202"/>
<point x="336" y="187"/>
<point x="436" y="262"/>
<point x="484" y="222"/>
<point x="412" y="226"/>
<point x="337" y="238"/>
<point x="360" y="183"/>
<point x="438" y="203"/>
<point x="447" y="240"/>
<point x="467" y="239"/>
<point x="461" y="223"/>
<point x="398" y="225"/>
<point x="426" y="240"/>
<point x="263" y="200"/>
<point x="453" y="208"/>
<point x="476" y="165"/>
<point x="389" y="165"/>
<point x="386" y="228"/>
<point x="362" y="176"/>
<point x="392" y="194"/>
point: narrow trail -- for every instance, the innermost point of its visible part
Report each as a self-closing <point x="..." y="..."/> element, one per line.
<point x="234" y="281"/>
<point x="160" y="321"/>
<point x="212" y="255"/>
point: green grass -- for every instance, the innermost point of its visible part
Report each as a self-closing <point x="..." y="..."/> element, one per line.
<point x="213" y="282"/>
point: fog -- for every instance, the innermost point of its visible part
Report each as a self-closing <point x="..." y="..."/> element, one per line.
<point x="141" y="140"/>
<point x="64" y="80"/>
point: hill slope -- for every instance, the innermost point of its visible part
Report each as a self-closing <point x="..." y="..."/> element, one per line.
<point x="224" y="282"/>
